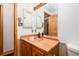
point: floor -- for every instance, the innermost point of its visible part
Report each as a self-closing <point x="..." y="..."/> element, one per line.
<point x="12" y="54"/>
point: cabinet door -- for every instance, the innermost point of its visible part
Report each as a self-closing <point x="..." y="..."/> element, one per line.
<point x="25" y="49"/>
<point x="55" y="51"/>
<point x="36" y="52"/>
<point x="52" y="28"/>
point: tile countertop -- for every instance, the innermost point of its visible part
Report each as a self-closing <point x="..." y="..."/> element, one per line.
<point x="45" y="43"/>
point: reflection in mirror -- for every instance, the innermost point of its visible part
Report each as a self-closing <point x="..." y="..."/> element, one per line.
<point x="39" y="23"/>
<point x="27" y="18"/>
<point x="50" y="19"/>
<point x="43" y="20"/>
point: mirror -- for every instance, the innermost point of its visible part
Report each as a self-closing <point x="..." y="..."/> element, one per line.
<point x="39" y="16"/>
<point x="44" y="19"/>
<point x="50" y="19"/>
<point x="30" y="19"/>
<point x="27" y="19"/>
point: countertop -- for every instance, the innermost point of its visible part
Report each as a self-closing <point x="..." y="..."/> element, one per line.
<point x="45" y="43"/>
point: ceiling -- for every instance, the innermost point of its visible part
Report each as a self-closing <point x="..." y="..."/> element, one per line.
<point x="51" y="8"/>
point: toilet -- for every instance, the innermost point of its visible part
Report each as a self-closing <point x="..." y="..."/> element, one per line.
<point x="73" y="50"/>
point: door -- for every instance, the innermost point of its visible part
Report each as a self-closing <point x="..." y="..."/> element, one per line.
<point x="8" y="27"/>
<point x="1" y="31"/>
<point x="52" y="30"/>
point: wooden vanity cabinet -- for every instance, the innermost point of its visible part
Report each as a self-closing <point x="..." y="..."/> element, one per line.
<point x="25" y="49"/>
<point x="36" y="52"/>
<point x="55" y="51"/>
<point x="28" y="49"/>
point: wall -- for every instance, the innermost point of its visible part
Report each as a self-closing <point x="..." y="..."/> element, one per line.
<point x="8" y="27"/>
<point x="68" y="23"/>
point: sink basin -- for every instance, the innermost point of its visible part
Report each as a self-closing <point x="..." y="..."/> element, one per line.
<point x="31" y="39"/>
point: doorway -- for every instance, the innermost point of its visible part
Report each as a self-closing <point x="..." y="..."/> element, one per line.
<point x="46" y="18"/>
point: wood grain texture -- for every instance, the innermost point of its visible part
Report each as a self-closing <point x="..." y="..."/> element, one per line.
<point x="1" y="30"/>
<point x="52" y="28"/>
<point x="25" y="49"/>
<point x="41" y="48"/>
<point x="39" y="5"/>
<point x="7" y="53"/>
<point x="15" y="30"/>
<point x="36" y="52"/>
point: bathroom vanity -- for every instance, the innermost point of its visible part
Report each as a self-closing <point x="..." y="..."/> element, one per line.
<point x="31" y="45"/>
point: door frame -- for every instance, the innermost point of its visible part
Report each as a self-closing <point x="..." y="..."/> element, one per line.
<point x="2" y="27"/>
<point x="15" y="30"/>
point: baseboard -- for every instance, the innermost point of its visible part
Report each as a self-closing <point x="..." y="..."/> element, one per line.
<point x="7" y="53"/>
